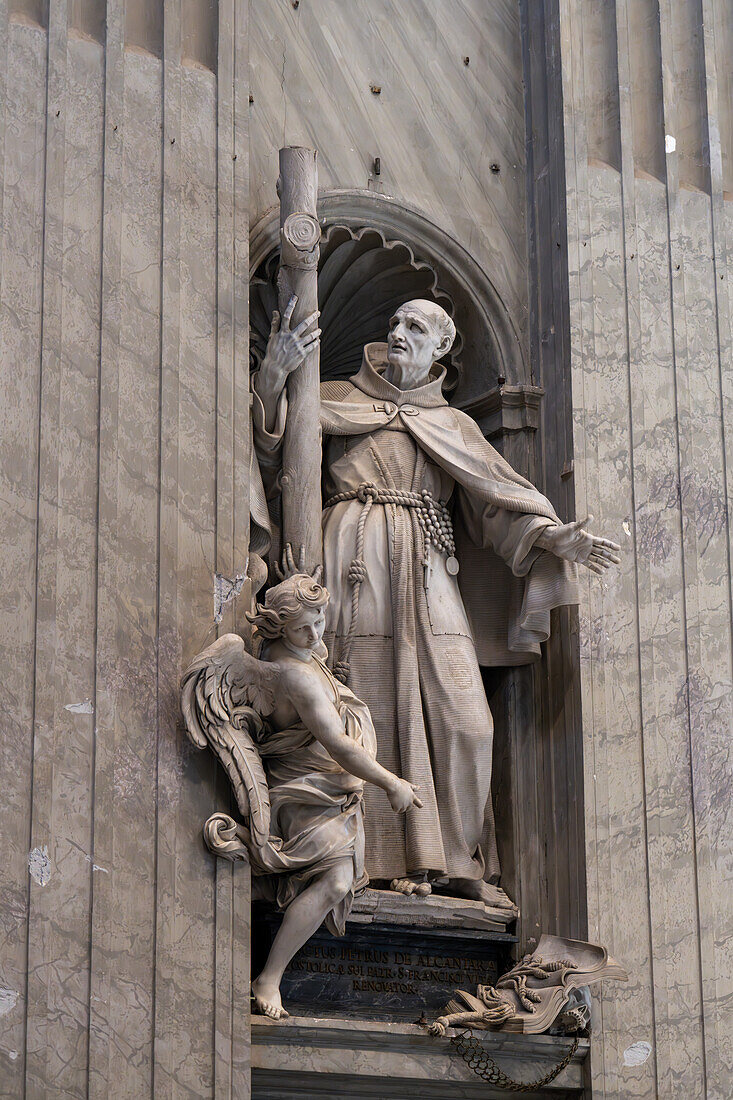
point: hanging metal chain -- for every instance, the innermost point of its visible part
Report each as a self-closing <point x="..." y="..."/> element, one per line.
<point x="477" y="1058"/>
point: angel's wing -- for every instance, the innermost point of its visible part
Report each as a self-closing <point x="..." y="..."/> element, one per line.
<point x="225" y="693"/>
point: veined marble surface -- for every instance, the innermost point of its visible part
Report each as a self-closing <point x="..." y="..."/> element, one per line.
<point x="125" y="959"/>
<point x="437" y="124"/>
<point x="651" y="375"/>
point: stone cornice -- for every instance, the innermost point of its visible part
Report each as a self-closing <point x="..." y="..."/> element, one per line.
<point x="506" y="409"/>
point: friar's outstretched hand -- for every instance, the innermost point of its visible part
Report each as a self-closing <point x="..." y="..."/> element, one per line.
<point x="573" y="542"/>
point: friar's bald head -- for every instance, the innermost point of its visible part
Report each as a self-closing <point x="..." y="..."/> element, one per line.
<point x="420" y="333"/>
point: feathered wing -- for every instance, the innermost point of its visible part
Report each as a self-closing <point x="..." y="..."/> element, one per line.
<point x="225" y="694"/>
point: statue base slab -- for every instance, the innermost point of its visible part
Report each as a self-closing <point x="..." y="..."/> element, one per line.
<point x="434" y="911"/>
<point x="400" y="956"/>
<point x="324" y="1056"/>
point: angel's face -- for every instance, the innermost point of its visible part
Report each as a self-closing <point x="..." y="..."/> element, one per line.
<point x="306" y="631"/>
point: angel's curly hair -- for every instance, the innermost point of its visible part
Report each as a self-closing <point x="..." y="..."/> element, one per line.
<point x="285" y="602"/>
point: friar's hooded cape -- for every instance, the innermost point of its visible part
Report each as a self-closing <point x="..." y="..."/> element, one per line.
<point x="508" y="599"/>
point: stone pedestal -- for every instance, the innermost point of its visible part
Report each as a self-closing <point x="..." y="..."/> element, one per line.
<point x="318" y="1056"/>
<point x="400" y="957"/>
<point x="355" y="1002"/>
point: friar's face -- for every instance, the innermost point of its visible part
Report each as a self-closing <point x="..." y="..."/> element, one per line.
<point x="416" y="338"/>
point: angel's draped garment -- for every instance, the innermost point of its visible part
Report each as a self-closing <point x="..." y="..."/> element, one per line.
<point x="316" y="808"/>
<point x="419" y="638"/>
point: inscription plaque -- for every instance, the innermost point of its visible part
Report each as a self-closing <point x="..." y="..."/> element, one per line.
<point x="397" y="972"/>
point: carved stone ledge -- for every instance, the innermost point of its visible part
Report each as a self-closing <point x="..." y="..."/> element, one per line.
<point x="433" y="912"/>
<point x="506" y="409"/>
<point x="326" y="1057"/>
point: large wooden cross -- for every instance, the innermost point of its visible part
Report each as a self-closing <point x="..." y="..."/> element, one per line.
<point x="300" y="234"/>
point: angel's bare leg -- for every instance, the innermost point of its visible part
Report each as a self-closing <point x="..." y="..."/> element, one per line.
<point x="302" y="917"/>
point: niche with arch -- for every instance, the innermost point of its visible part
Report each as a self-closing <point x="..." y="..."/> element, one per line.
<point x="375" y="254"/>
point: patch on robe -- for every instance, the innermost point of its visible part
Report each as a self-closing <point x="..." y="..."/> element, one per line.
<point x="461" y="675"/>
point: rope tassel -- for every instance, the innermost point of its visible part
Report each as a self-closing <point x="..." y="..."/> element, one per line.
<point x="437" y="530"/>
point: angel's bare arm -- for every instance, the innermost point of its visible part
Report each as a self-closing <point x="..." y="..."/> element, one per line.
<point x="322" y="719"/>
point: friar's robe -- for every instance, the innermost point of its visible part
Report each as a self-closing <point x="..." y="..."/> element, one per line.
<point x="421" y="634"/>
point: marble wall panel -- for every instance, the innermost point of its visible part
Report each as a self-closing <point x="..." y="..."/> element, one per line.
<point x="702" y="363"/>
<point x="437" y="123"/>
<point x="659" y="782"/>
<point x="232" y="385"/>
<point x="123" y="915"/>
<point x="609" y="632"/>
<point x="123" y="460"/>
<point x="185" y="881"/>
<point x="683" y="52"/>
<point x="713" y="823"/>
<point x="705" y="694"/>
<point x="640" y="56"/>
<point x="123" y="435"/>
<point x="232" y="1067"/>
<point x="723" y="229"/>
<point x="718" y="21"/>
<point x="31" y="12"/>
<point x="549" y="757"/>
<point x="22" y="132"/>
<point x="599" y="61"/>
<point x="88" y="18"/>
<point x="232" y="1077"/>
<point x="58" y="942"/>
<point x="199" y="33"/>
<point x="670" y="826"/>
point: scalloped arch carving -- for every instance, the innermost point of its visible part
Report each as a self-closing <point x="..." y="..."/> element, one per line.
<point x="375" y="254"/>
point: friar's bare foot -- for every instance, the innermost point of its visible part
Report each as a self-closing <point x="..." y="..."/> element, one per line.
<point x="266" y="999"/>
<point x="478" y="890"/>
<point x="407" y="886"/>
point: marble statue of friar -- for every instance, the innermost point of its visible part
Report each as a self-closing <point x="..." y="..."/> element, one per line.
<point x="439" y="558"/>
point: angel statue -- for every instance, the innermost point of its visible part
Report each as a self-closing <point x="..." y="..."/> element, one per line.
<point x="297" y="746"/>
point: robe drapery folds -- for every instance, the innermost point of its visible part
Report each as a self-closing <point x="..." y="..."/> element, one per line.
<point x="317" y="811"/>
<point x="421" y="633"/>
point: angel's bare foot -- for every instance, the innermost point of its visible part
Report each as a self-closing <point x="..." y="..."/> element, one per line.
<point x="478" y="890"/>
<point x="406" y="886"/>
<point x="266" y="999"/>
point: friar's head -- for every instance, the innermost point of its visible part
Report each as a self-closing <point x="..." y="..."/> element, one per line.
<point x="420" y="333"/>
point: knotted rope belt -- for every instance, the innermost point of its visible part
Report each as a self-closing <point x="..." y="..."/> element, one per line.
<point x="437" y="530"/>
